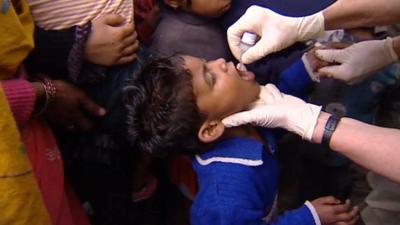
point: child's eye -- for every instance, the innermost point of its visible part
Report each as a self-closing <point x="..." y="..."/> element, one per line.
<point x="211" y="77"/>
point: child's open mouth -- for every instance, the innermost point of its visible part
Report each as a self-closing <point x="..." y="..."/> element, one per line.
<point x="246" y="75"/>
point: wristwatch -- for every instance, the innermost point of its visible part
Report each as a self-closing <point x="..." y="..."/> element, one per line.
<point x="330" y="127"/>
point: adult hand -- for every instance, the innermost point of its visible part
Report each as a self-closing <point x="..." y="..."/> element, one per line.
<point x="276" y="31"/>
<point x="357" y="62"/>
<point x="331" y="211"/>
<point x="111" y="41"/>
<point x="71" y="107"/>
<point x="275" y="109"/>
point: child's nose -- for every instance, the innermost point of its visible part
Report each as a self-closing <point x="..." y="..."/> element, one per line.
<point x="220" y="63"/>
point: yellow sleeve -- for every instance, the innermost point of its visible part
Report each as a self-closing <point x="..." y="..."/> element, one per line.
<point x="20" y="199"/>
<point x="16" y="35"/>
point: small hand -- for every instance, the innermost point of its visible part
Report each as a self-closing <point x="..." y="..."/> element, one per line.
<point x="332" y="212"/>
<point x="111" y="42"/>
<point x="71" y="107"/>
<point x="312" y="63"/>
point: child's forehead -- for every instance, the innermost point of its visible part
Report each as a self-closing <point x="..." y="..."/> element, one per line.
<point x="194" y="65"/>
<point x="188" y="59"/>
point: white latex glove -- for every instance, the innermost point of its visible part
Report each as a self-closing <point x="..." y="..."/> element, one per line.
<point x="275" y="109"/>
<point x="276" y="31"/>
<point x="357" y="61"/>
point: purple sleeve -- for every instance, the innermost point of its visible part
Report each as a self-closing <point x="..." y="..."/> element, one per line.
<point x="75" y="57"/>
<point x="59" y="53"/>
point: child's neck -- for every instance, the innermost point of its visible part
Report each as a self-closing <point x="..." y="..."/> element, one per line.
<point x="246" y="131"/>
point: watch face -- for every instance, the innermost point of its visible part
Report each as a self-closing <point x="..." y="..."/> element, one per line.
<point x="332" y="123"/>
<point x="330" y="127"/>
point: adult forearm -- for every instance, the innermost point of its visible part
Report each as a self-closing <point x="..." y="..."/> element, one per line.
<point x="361" y="13"/>
<point x="375" y="148"/>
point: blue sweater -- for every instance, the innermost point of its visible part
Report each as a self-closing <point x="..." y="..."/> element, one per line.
<point x="238" y="177"/>
<point x="239" y="183"/>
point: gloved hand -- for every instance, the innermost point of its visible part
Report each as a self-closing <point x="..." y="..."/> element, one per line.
<point x="276" y="31"/>
<point x="275" y="109"/>
<point x="358" y="61"/>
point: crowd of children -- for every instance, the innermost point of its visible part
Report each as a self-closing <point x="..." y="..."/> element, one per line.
<point x="119" y="104"/>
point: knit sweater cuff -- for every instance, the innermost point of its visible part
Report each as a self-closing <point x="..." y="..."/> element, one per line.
<point x="21" y="97"/>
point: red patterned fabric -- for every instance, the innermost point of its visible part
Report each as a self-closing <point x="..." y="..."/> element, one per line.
<point x="62" y="206"/>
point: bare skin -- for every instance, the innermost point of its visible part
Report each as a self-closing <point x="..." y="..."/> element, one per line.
<point x="111" y="41"/>
<point x="71" y="108"/>
<point x="344" y="14"/>
<point x="373" y="147"/>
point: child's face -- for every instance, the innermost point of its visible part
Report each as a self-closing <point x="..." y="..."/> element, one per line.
<point x="220" y="89"/>
<point x="208" y="8"/>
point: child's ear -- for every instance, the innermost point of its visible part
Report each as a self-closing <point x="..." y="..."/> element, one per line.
<point x="175" y="4"/>
<point x="211" y="131"/>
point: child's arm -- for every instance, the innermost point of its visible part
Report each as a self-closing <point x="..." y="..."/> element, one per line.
<point x="240" y="192"/>
<point x="228" y="215"/>
<point x="295" y="80"/>
<point x="322" y="211"/>
<point x="270" y="68"/>
<point x="298" y="78"/>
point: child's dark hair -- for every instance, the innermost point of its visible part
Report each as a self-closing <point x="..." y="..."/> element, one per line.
<point x="163" y="116"/>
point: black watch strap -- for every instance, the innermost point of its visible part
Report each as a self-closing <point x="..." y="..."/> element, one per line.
<point x="330" y="127"/>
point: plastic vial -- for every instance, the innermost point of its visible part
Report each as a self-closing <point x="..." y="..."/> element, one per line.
<point x="248" y="40"/>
